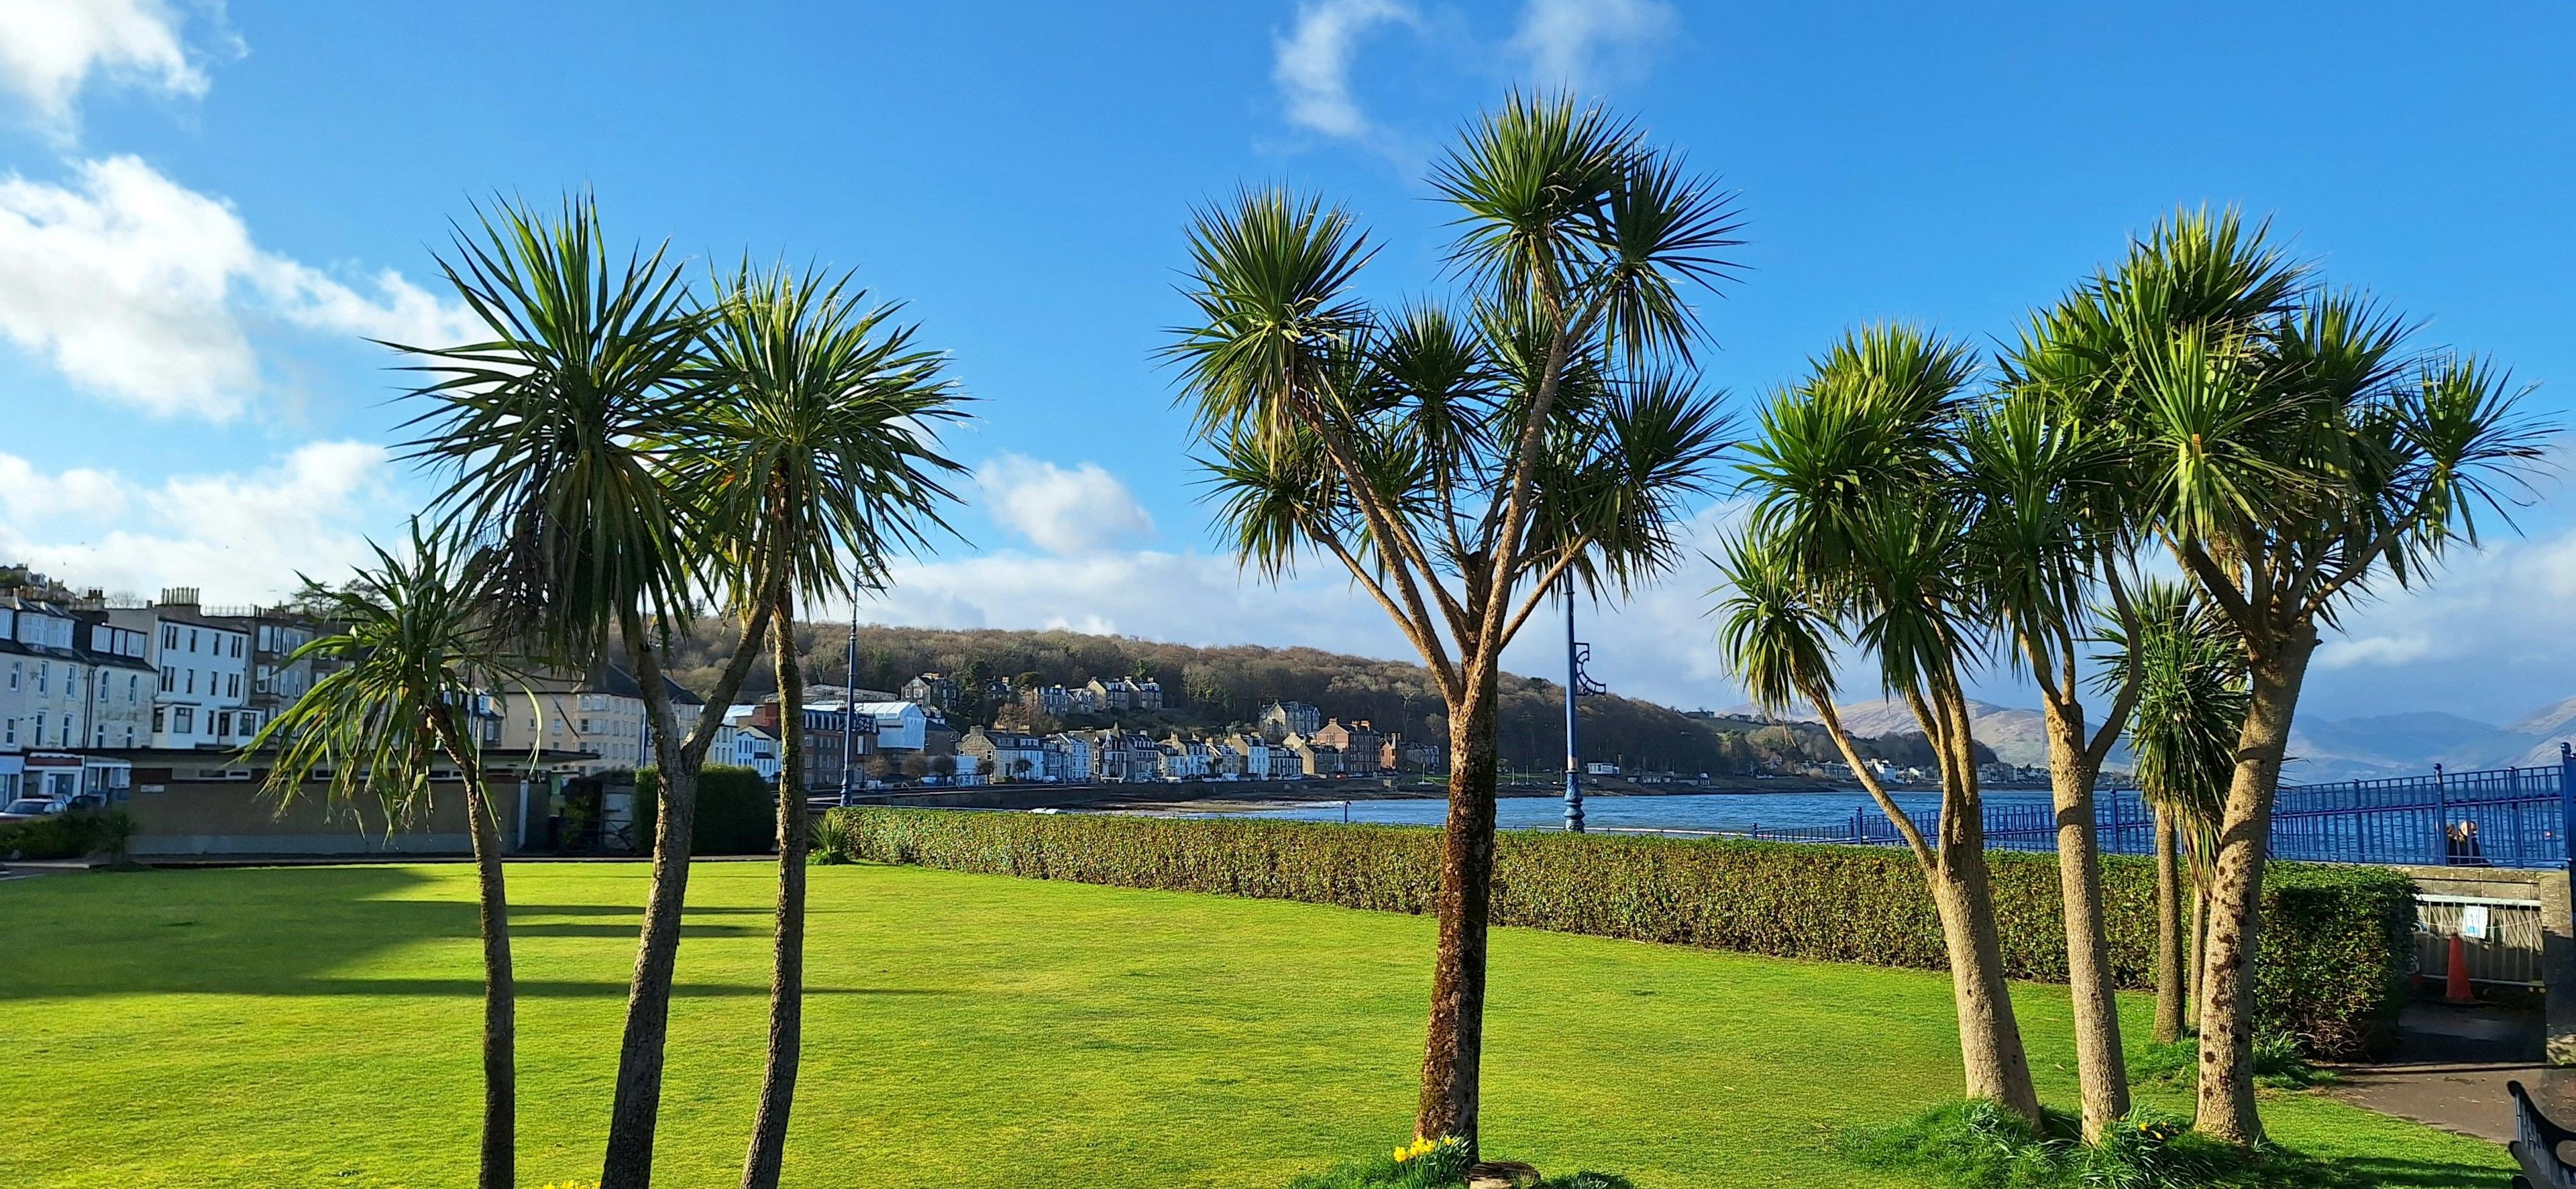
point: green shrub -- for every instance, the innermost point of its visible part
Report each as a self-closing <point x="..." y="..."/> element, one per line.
<point x="1431" y="1166"/>
<point x="66" y="835"/>
<point x="737" y="811"/>
<point x="1978" y="1145"/>
<point x="2280" y="1063"/>
<point x="2334" y="939"/>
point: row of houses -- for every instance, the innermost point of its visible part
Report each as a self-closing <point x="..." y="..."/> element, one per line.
<point x="937" y="693"/>
<point x="1116" y="756"/>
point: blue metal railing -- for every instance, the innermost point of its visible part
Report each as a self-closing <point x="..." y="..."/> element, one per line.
<point x="2522" y="817"/>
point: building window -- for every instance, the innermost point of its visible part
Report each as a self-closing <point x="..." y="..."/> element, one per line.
<point x="232" y="685"/>
<point x="14" y="668"/>
<point x="192" y="681"/>
<point x="183" y="720"/>
<point x="237" y="643"/>
<point x="170" y="636"/>
<point x="160" y="721"/>
<point x="44" y="674"/>
<point x="9" y="731"/>
<point x="133" y="689"/>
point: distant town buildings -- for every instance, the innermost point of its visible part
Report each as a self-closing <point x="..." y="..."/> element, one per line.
<point x="1279" y="720"/>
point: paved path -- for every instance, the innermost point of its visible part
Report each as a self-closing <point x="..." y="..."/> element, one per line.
<point x="2450" y="1067"/>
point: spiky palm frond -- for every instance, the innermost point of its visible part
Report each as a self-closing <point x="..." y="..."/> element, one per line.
<point x="414" y="651"/>
<point x="1779" y="641"/>
<point x="553" y="433"/>
<point x="1270" y="277"/>
<point x="816" y="440"/>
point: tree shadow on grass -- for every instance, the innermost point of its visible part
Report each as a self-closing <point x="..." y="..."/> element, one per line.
<point x="280" y="931"/>
<point x="560" y="989"/>
<point x="2391" y="1173"/>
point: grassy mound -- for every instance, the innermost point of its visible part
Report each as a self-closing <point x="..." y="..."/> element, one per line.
<point x="1979" y="1145"/>
<point x="1427" y="1165"/>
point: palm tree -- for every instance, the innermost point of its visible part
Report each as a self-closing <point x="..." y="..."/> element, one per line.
<point x="1462" y="466"/>
<point x="819" y="443"/>
<point x="2188" y="671"/>
<point x="1861" y="528"/>
<point x="414" y="652"/>
<point x="2295" y="449"/>
<point x="2051" y="541"/>
<point x="555" y="437"/>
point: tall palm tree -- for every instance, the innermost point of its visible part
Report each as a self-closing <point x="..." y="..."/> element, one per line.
<point x="1463" y="466"/>
<point x="2188" y="671"/>
<point x="2296" y="448"/>
<point x="555" y="438"/>
<point x="819" y="443"/>
<point x="413" y="653"/>
<point x="2052" y="542"/>
<point x="1862" y="527"/>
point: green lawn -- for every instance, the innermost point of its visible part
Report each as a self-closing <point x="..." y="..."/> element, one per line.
<point x="316" y="1026"/>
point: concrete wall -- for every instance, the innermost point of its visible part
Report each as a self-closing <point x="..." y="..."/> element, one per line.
<point x="2558" y="935"/>
<point x="235" y="818"/>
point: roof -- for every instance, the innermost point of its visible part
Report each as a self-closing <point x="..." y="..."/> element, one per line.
<point x="881" y="709"/>
<point x="615" y="680"/>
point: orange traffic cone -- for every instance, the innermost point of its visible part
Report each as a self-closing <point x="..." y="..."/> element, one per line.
<point x="2455" y="988"/>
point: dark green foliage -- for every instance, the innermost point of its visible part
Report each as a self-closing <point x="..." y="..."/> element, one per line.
<point x="66" y="835"/>
<point x="737" y="811"/>
<point x="1979" y="1145"/>
<point x="1444" y="1167"/>
<point x="2334" y="938"/>
<point x="2280" y="1063"/>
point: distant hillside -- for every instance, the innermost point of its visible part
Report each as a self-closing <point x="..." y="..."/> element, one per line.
<point x="2016" y="736"/>
<point x="1209" y="689"/>
<point x="2410" y="744"/>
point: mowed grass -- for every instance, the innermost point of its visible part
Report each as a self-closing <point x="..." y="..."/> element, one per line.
<point x="317" y="1026"/>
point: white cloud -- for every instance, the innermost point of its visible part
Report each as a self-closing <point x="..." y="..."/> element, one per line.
<point x="138" y="289"/>
<point x="1312" y="64"/>
<point x="1065" y="511"/>
<point x="242" y="538"/>
<point x="1575" y="42"/>
<point x="50" y="48"/>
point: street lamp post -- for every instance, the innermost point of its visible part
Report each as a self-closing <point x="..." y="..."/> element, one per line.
<point x="850" y="707"/>
<point x="1577" y="655"/>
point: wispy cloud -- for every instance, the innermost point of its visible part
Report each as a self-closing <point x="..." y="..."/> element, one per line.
<point x="138" y="289"/>
<point x="1312" y="62"/>
<point x="1067" y="511"/>
<point x="51" y="49"/>
<point x="1579" y="43"/>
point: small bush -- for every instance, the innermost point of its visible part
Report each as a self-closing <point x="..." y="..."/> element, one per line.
<point x="2280" y="1063"/>
<point x="1979" y="1145"/>
<point x="737" y="811"/>
<point x="2334" y="939"/>
<point x="67" y="835"/>
<point x="1428" y="1165"/>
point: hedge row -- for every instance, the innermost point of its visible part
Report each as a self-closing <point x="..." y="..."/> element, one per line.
<point x="737" y="811"/>
<point x="2332" y="968"/>
<point x="68" y="835"/>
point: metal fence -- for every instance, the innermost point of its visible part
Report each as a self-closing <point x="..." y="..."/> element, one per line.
<point x="2509" y="817"/>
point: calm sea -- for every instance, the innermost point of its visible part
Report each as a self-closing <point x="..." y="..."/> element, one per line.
<point x="1726" y="812"/>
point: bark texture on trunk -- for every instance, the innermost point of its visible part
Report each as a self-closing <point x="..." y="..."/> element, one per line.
<point x="2169" y="926"/>
<point x="761" y="1165"/>
<point x="498" y="1168"/>
<point x="1452" y="1058"/>
<point x="2226" y="1098"/>
<point x="1990" y="1045"/>
<point x="638" y="1103"/>
<point x="2101" y="1076"/>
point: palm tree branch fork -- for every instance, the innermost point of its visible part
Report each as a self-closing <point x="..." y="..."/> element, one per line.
<point x="1460" y="466"/>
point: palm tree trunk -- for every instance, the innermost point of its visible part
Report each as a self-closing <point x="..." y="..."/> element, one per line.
<point x="2226" y="1107"/>
<point x="1990" y="1045"/>
<point x="2169" y="937"/>
<point x="638" y="1103"/>
<point x="2102" y="1077"/>
<point x="1452" y="1059"/>
<point x="760" y="1166"/>
<point x="498" y="1168"/>
<point x="2196" y="961"/>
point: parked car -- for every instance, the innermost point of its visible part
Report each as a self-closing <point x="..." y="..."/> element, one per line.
<point x="25" y="808"/>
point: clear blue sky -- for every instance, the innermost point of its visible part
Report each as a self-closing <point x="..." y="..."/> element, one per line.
<point x="199" y="206"/>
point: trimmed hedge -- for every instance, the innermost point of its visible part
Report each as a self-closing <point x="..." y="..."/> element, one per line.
<point x="737" y="811"/>
<point x="2332" y="969"/>
<point x="66" y="835"/>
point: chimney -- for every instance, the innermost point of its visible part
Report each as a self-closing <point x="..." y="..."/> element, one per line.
<point x="179" y="596"/>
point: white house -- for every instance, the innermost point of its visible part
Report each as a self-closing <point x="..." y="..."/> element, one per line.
<point x="205" y="673"/>
<point x="755" y="749"/>
<point x="901" y="726"/>
<point x="1068" y="759"/>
